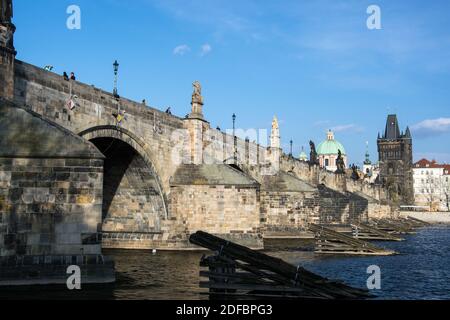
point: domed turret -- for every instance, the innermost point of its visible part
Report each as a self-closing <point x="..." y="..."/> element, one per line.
<point x="330" y="146"/>
<point x="328" y="152"/>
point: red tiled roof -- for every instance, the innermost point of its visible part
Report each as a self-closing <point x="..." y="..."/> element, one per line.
<point x="446" y="169"/>
<point x="426" y="164"/>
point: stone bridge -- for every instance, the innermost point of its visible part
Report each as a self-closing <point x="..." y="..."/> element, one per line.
<point x="165" y="177"/>
<point x="82" y="169"/>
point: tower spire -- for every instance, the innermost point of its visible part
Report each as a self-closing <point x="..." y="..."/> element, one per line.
<point x="275" y="140"/>
<point x="392" y="131"/>
<point x="408" y="133"/>
<point x="367" y="161"/>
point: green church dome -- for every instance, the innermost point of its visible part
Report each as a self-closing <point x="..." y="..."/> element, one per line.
<point x="330" y="146"/>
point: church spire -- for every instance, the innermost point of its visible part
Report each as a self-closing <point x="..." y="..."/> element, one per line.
<point x="275" y="140"/>
<point x="392" y="131"/>
<point x="408" y="133"/>
<point x="367" y="161"/>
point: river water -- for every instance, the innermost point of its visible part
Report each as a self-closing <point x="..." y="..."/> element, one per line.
<point x="422" y="271"/>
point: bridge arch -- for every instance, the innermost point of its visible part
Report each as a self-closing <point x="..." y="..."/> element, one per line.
<point x="115" y="142"/>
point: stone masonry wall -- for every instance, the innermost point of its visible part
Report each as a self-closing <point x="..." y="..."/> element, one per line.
<point x="50" y="206"/>
<point x="216" y="209"/>
<point x="316" y="175"/>
<point x="338" y="207"/>
<point x="135" y="204"/>
<point x="131" y="200"/>
<point x="47" y="94"/>
<point x="284" y="210"/>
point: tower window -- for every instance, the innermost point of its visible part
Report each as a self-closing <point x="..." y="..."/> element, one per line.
<point x="391" y="169"/>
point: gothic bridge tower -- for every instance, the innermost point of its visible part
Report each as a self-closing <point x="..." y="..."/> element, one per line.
<point x="7" y="51"/>
<point x="396" y="160"/>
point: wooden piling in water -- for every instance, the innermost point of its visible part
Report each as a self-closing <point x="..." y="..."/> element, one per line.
<point x="236" y="271"/>
<point x="419" y="223"/>
<point x="366" y="232"/>
<point x="395" y="227"/>
<point x="332" y="242"/>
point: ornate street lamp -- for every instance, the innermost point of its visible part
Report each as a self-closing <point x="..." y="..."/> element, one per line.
<point x="116" y="71"/>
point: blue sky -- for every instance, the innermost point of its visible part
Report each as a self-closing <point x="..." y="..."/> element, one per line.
<point x="314" y="64"/>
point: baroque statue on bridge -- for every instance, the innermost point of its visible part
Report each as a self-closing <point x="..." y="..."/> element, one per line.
<point x="6" y="10"/>
<point x="197" y="95"/>
<point x="313" y="158"/>
<point x="355" y="173"/>
<point x="340" y="163"/>
<point x="197" y="101"/>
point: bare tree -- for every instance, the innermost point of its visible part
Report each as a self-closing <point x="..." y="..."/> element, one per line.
<point x="445" y="187"/>
<point x="431" y="192"/>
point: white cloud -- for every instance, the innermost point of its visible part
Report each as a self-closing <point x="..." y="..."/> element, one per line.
<point x="433" y="125"/>
<point x="181" y="50"/>
<point x="321" y="123"/>
<point x="206" y="48"/>
<point x="347" y="127"/>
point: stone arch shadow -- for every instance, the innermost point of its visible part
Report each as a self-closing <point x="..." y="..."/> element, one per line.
<point x="136" y="143"/>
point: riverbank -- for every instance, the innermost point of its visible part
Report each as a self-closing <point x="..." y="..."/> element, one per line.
<point x="430" y="217"/>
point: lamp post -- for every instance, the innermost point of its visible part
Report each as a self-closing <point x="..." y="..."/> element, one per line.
<point x="116" y="71"/>
<point x="291" y="154"/>
<point x="234" y="125"/>
<point x="234" y="137"/>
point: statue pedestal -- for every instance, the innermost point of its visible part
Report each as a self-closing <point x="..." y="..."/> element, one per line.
<point x="197" y="110"/>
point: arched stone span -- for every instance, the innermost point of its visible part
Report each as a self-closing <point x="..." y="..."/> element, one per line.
<point x="95" y="134"/>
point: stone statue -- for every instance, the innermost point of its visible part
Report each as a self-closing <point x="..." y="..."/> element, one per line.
<point x="197" y="101"/>
<point x="6" y="10"/>
<point x="340" y="164"/>
<point x="197" y="88"/>
<point x="197" y="94"/>
<point x="313" y="158"/>
<point x="355" y="173"/>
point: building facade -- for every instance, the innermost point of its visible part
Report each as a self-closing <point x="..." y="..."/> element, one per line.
<point x="328" y="152"/>
<point x="371" y="170"/>
<point x="396" y="160"/>
<point x="432" y="185"/>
